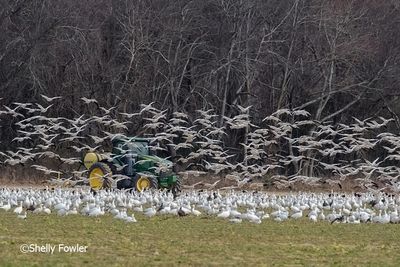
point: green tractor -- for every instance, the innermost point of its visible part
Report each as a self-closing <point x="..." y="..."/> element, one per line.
<point x="131" y="159"/>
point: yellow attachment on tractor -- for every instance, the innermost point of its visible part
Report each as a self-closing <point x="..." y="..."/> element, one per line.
<point x="91" y="158"/>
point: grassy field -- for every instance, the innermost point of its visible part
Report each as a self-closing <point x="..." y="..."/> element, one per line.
<point x="196" y="241"/>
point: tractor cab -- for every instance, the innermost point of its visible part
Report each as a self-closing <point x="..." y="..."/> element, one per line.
<point x="133" y="145"/>
<point x="133" y="153"/>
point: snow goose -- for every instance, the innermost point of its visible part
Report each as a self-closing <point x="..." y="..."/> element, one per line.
<point x="46" y="210"/>
<point x="186" y="210"/>
<point x="235" y="214"/>
<point x="27" y="203"/>
<point x="352" y="219"/>
<point x="6" y="207"/>
<point x="173" y="211"/>
<point x="72" y="212"/>
<point x="224" y="214"/>
<point x="138" y="208"/>
<point x="114" y="211"/>
<point x="235" y="220"/>
<point x="18" y="209"/>
<point x="253" y="218"/>
<point x="346" y="211"/>
<point x="195" y="212"/>
<point x="39" y="209"/>
<point x="150" y="212"/>
<point x="295" y="209"/>
<point x="181" y="212"/>
<point x="164" y="209"/>
<point x="62" y="212"/>
<point x="377" y="218"/>
<point x="60" y="206"/>
<point x="313" y="217"/>
<point x="86" y="209"/>
<point x="130" y="219"/>
<point x="364" y="216"/>
<point x="394" y="216"/>
<point x="22" y="216"/>
<point x="121" y="215"/>
<point x="96" y="211"/>
<point x="265" y="216"/>
<point x="385" y="218"/>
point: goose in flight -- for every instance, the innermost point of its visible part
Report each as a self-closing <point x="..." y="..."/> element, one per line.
<point x="50" y="99"/>
<point x="130" y="115"/>
<point x="88" y="100"/>
<point x="149" y="108"/>
<point x="43" y="109"/>
<point x="107" y="111"/>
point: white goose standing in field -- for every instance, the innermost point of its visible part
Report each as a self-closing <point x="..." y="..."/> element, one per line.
<point x="224" y="214"/>
<point x="96" y="211"/>
<point x="63" y="211"/>
<point x="27" y="203"/>
<point x="86" y="209"/>
<point x="18" y="209"/>
<point x="114" y="211"/>
<point x="195" y="212"/>
<point x="252" y="217"/>
<point x="121" y="214"/>
<point x="313" y="217"/>
<point x="150" y="212"/>
<point x="60" y="206"/>
<point x="235" y="214"/>
<point x="46" y="210"/>
<point x="297" y="215"/>
<point x="38" y="209"/>
<point x="394" y="216"/>
<point x="6" y="207"/>
<point x="385" y="218"/>
<point x="73" y="211"/>
<point x="22" y="216"/>
<point x="130" y="219"/>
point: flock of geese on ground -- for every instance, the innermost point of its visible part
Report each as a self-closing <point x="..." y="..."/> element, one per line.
<point x="232" y="206"/>
<point x="287" y="147"/>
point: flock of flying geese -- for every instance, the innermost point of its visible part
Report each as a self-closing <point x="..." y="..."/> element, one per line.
<point x="289" y="148"/>
<point x="232" y="206"/>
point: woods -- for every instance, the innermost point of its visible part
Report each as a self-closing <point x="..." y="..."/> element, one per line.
<point x="333" y="60"/>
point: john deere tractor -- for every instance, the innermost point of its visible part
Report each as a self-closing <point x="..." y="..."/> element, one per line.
<point x="131" y="161"/>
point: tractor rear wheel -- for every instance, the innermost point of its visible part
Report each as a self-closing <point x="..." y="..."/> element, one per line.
<point x="143" y="182"/>
<point x="176" y="187"/>
<point x="99" y="176"/>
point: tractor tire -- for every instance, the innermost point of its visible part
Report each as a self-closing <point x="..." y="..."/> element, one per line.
<point x="143" y="182"/>
<point x="177" y="187"/>
<point x="99" y="176"/>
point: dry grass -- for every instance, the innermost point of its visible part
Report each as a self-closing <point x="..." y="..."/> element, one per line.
<point x="197" y="241"/>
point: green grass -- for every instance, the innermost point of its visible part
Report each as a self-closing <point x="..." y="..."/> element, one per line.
<point x="187" y="241"/>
